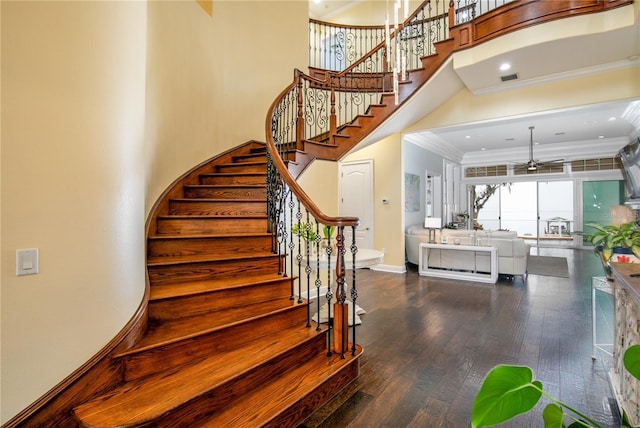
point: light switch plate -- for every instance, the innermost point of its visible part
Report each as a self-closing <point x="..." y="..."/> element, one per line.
<point x="27" y="261"/>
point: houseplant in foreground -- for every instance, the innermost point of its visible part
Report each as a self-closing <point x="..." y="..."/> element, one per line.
<point x="508" y="391"/>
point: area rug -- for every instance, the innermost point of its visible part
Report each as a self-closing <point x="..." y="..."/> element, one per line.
<point x="548" y="266"/>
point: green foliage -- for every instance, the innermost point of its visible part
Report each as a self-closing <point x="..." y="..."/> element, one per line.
<point x="308" y="231"/>
<point x="305" y="231"/>
<point x="626" y="235"/>
<point x="327" y="231"/>
<point x="631" y="360"/>
<point x="553" y="416"/>
<point x="509" y="391"/>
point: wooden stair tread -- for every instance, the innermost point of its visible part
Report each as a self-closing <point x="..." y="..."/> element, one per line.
<point x="201" y="258"/>
<point x="233" y="186"/>
<point x="210" y="217"/>
<point x="269" y="400"/>
<point x="209" y="236"/>
<point x="165" y="291"/>
<point x="175" y="330"/>
<point x="238" y="164"/>
<point x="138" y="402"/>
<point x="231" y="174"/>
<point x="216" y="200"/>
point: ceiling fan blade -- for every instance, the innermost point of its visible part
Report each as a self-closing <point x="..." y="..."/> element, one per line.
<point x="551" y="162"/>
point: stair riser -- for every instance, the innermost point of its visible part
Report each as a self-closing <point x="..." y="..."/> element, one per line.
<point x="207" y="405"/>
<point x="210" y="226"/>
<point x="191" y="349"/>
<point x="166" y="274"/>
<point x="236" y="297"/>
<point x="216" y="179"/>
<point x="242" y="167"/>
<point x="220" y="246"/>
<point x="303" y="408"/>
<point x="197" y="207"/>
<point x="254" y="157"/>
<point x="225" y="192"/>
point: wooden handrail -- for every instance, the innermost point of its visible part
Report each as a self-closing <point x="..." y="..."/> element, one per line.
<point x="293" y="185"/>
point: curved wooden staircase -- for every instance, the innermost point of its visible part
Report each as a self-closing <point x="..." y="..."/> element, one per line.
<point x="223" y="341"/>
<point x="226" y="344"/>
<point x="220" y="340"/>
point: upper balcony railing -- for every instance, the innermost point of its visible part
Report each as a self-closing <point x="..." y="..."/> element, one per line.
<point x="337" y="47"/>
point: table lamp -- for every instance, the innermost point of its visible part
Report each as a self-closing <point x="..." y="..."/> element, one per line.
<point x="432" y="223"/>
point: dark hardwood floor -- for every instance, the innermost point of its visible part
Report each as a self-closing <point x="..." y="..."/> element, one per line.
<point x="428" y="344"/>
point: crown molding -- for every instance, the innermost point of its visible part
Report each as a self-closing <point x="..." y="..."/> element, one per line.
<point x="568" y="152"/>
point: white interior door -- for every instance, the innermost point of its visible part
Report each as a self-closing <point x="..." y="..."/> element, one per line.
<point x="356" y="199"/>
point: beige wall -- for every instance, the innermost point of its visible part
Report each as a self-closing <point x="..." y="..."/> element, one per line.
<point x="320" y="182"/>
<point x="211" y="79"/>
<point x="73" y="80"/>
<point x="104" y="104"/>
<point x="388" y="219"/>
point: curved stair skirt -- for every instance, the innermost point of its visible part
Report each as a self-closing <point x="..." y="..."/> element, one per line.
<point x="248" y="361"/>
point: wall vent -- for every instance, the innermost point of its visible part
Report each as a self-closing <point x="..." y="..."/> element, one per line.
<point x="508" y="77"/>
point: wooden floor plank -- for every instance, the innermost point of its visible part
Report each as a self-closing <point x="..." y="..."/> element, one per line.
<point x="429" y="343"/>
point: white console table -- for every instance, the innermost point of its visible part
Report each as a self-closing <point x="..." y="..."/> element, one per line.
<point x="465" y="273"/>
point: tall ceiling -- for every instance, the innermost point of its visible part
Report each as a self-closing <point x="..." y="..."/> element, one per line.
<point x="565" y="133"/>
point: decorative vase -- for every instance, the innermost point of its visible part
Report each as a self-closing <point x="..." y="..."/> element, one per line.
<point x="620" y="255"/>
<point x="326" y="243"/>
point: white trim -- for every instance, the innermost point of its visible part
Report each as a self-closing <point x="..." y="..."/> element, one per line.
<point x="389" y="268"/>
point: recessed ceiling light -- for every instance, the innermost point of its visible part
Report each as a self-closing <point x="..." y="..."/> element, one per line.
<point x="467" y="136"/>
<point x="612" y="119"/>
<point x="505" y="66"/>
<point x="600" y="137"/>
<point x="483" y="149"/>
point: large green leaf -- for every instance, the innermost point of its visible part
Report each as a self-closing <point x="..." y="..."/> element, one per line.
<point x="632" y="360"/>
<point x="507" y="391"/>
<point x="553" y="416"/>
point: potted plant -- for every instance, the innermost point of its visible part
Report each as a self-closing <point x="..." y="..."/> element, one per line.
<point x="327" y="239"/>
<point x="308" y="233"/>
<point x="615" y="243"/>
<point x="508" y="391"/>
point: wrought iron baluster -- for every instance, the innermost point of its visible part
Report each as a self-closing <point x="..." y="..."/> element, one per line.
<point x="318" y="280"/>
<point x="354" y="290"/>
<point x="299" y="252"/>
<point x="329" y="299"/>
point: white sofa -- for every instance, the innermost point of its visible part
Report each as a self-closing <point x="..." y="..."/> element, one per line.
<point x="512" y="251"/>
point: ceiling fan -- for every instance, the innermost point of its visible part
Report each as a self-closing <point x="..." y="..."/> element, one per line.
<point x="532" y="164"/>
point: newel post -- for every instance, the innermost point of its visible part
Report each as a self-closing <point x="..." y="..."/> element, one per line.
<point x="300" y="117"/>
<point x="340" y="312"/>
<point x="451" y="14"/>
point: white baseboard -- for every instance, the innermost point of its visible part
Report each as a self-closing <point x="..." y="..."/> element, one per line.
<point x="389" y="268"/>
